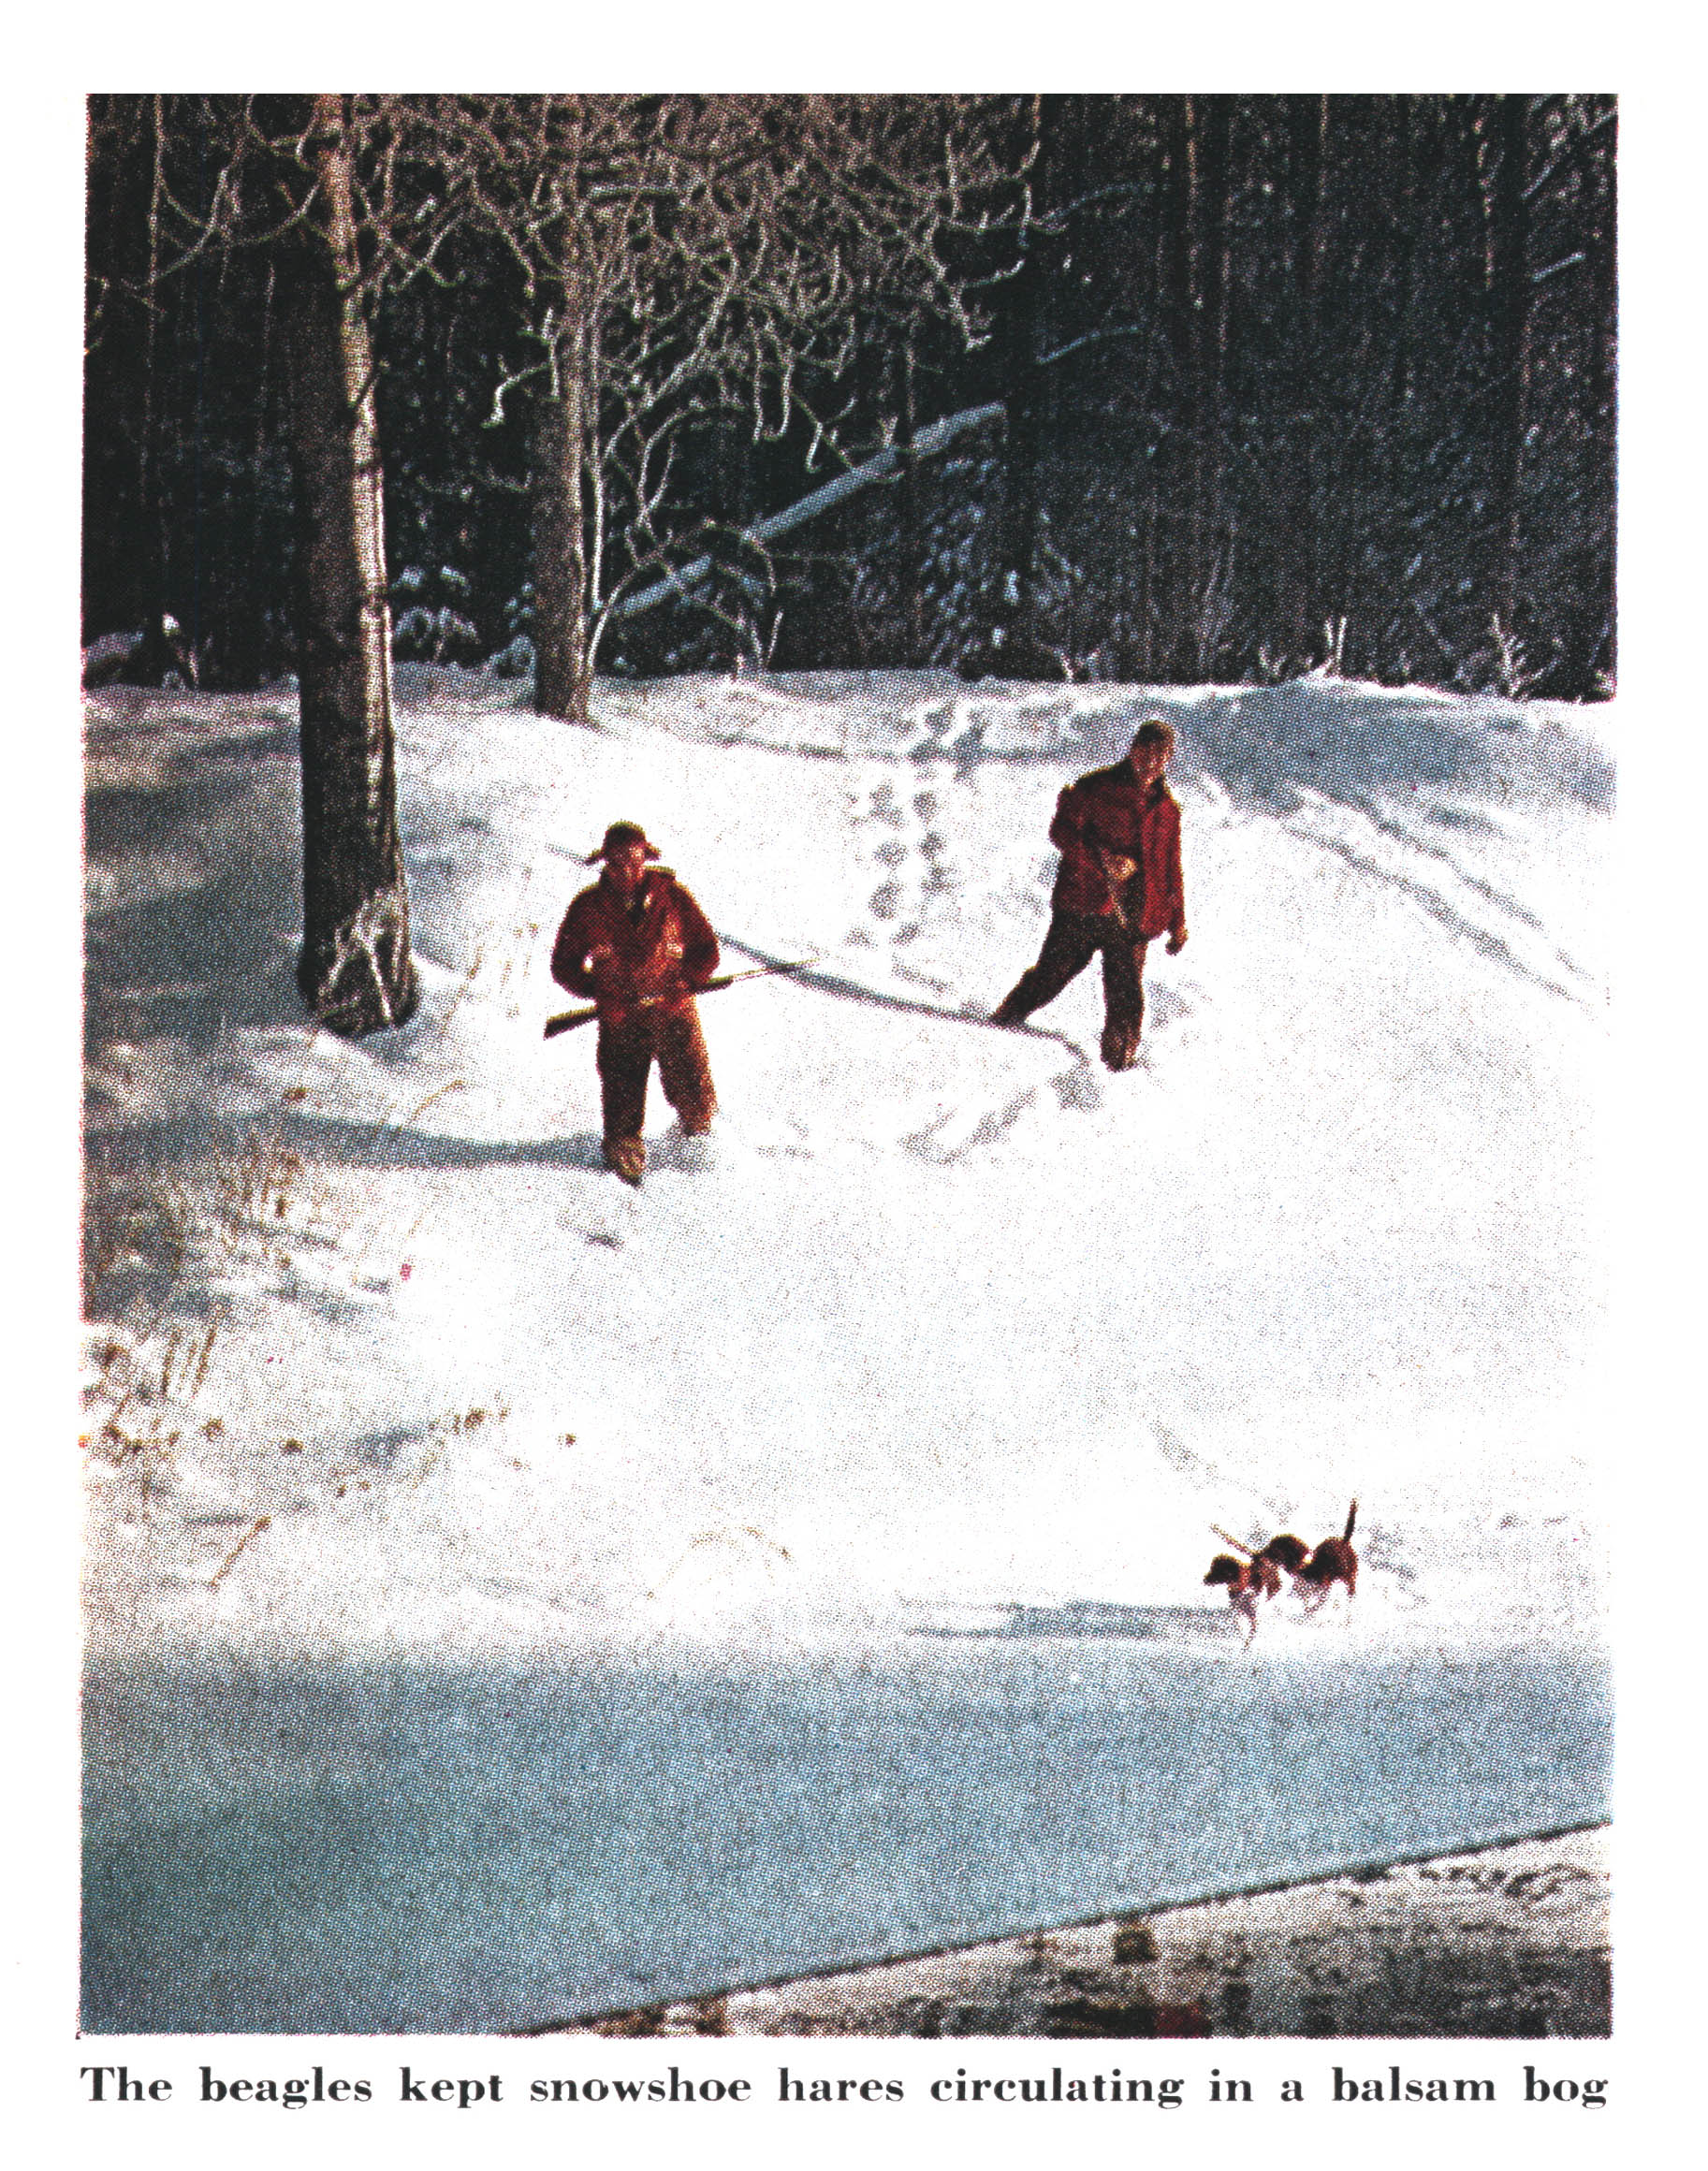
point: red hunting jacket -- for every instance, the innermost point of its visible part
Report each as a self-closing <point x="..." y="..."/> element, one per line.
<point x="1106" y="812"/>
<point x="659" y="956"/>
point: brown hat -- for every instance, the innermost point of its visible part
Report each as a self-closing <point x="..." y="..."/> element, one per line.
<point x="617" y="836"/>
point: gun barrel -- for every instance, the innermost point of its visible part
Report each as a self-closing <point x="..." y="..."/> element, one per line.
<point x="566" y="1020"/>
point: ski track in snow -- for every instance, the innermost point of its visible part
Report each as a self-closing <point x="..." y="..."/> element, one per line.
<point x="948" y="1323"/>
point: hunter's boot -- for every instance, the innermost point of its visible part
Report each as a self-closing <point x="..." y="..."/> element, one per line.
<point x="626" y="1158"/>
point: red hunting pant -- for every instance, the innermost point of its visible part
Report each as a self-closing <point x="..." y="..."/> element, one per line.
<point x="1074" y="939"/>
<point x="627" y="1052"/>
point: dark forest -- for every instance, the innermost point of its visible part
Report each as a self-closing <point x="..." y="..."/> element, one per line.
<point x="1269" y="384"/>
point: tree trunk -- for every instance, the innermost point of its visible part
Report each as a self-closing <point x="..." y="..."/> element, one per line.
<point x="1155" y="465"/>
<point x="1212" y="137"/>
<point x="1176" y="464"/>
<point x="1604" y="388"/>
<point x="1014" y="650"/>
<point x="909" y="523"/>
<point x="1299" y="541"/>
<point x="1402" y="195"/>
<point x="1017" y="650"/>
<point x="562" y="671"/>
<point x="355" y="969"/>
<point x="1510" y="320"/>
<point x="155" y="657"/>
<point x="252" y="576"/>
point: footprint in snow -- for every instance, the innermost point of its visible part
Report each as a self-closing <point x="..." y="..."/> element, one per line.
<point x="913" y="860"/>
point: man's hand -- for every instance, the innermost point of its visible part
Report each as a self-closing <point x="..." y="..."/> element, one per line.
<point x="1177" y="943"/>
<point x="1118" y="867"/>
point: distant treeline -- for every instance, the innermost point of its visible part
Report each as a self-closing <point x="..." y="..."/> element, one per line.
<point x="1284" y="383"/>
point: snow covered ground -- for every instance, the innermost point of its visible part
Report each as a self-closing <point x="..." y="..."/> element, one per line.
<point x="950" y="1331"/>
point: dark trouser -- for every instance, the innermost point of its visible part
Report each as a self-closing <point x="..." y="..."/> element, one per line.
<point x="1074" y="939"/>
<point x="627" y="1053"/>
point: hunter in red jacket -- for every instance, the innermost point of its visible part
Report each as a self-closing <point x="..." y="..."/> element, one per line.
<point x="640" y="946"/>
<point x="1118" y="887"/>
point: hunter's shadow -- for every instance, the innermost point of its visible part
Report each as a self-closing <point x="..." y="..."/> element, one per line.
<point x="336" y="1143"/>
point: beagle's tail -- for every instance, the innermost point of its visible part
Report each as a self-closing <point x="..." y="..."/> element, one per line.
<point x="1352" y="1517"/>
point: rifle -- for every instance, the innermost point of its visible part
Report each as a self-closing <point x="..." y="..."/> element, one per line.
<point x="567" y="1020"/>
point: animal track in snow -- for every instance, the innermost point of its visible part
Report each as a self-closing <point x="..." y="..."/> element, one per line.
<point x="917" y="868"/>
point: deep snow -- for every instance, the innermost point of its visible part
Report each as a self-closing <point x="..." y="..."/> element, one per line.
<point x="950" y="1331"/>
<point x="951" y="1314"/>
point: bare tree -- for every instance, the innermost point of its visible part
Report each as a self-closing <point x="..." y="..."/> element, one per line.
<point x="323" y="189"/>
<point x="685" y="261"/>
<point x="355" y="969"/>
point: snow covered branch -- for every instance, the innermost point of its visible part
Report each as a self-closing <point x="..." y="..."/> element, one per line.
<point x="936" y="438"/>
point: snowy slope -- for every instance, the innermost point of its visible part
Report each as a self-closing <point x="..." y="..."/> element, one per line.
<point x="949" y="1319"/>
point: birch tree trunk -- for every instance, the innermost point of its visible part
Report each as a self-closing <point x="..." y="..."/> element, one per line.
<point x="562" y="672"/>
<point x="355" y="969"/>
